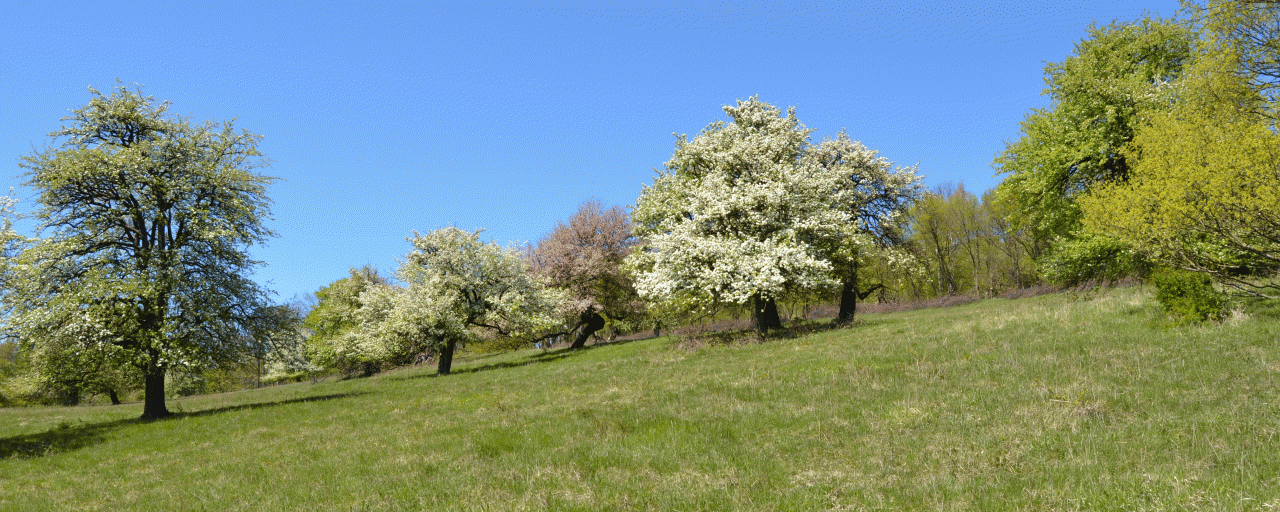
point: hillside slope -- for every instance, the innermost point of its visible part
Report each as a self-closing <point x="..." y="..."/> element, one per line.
<point x="1066" y="401"/>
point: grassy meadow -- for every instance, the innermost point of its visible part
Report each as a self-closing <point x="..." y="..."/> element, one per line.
<point x="1070" y="401"/>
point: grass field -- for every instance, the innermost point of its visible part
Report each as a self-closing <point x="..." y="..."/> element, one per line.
<point x="1075" y="401"/>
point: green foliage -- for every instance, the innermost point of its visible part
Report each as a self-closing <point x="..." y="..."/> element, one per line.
<point x="1188" y="297"/>
<point x="1205" y="192"/>
<point x="335" y="316"/>
<point x="1100" y="93"/>
<point x="1092" y="257"/>
<point x="150" y="217"/>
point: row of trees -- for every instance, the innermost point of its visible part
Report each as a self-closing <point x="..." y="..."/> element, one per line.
<point x="1159" y="148"/>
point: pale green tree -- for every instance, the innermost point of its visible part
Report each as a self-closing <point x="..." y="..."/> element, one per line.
<point x="147" y="218"/>
<point x="334" y="316"/>
<point x="740" y="215"/>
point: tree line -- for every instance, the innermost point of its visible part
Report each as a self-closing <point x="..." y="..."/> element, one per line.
<point x="1158" y="151"/>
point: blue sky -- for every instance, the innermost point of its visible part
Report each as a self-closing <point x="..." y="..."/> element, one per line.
<point x="390" y="117"/>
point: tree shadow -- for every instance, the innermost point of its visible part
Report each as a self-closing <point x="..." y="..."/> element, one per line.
<point x="70" y="436"/>
<point x="545" y="356"/>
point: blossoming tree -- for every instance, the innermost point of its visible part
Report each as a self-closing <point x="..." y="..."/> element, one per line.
<point x="741" y="213"/>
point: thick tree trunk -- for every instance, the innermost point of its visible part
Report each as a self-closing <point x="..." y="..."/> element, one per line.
<point x="115" y="399"/>
<point x="849" y="297"/>
<point x="446" y="358"/>
<point x="153" y="398"/>
<point x="766" y="313"/>
<point x="592" y="322"/>
<point x="848" y="301"/>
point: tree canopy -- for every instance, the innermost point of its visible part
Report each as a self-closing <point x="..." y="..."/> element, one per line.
<point x="584" y="258"/>
<point x="740" y="213"/>
<point x="1205" y="192"/>
<point x="1100" y="93"/>
<point x="148" y="219"/>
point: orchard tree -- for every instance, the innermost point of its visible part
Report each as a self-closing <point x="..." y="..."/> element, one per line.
<point x="877" y="197"/>
<point x="584" y="258"/>
<point x="334" y="316"/>
<point x="458" y="288"/>
<point x="740" y="214"/>
<point x="1100" y="94"/>
<point x="147" y="220"/>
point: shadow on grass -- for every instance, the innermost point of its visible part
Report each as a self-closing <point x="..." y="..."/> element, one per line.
<point x="545" y="356"/>
<point x="69" y="436"/>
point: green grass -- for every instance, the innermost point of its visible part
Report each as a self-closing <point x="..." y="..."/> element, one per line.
<point x="1059" y="402"/>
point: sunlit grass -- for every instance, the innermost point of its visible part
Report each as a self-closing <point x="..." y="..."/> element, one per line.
<point x="1059" y="402"/>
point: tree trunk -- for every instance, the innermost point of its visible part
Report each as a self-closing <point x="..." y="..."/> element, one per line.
<point x="592" y="322"/>
<point x="656" y="327"/>
<point x="446" y="358"/>
<point x="766" y="313"/>
<point x="115" y="399"/>
<point x="848" y="301"/>
<point x="849" y="297"/>
<point x="153" y="398"/>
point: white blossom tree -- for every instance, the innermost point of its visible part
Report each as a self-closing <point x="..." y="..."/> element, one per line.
<point x="877" y="196"/>
<point x="457" y="288"/>
<point x="743" y="212"/>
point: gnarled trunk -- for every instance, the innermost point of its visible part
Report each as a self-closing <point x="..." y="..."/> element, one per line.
<point x="446" y="358"/>
<point x="153" y="398"/>
<point x="592" y="322"/>
<point x="766" y="314"/>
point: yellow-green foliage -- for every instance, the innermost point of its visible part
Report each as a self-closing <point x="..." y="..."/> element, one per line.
<point x="1204" y="192"/>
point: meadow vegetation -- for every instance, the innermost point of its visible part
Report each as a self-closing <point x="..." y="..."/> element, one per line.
<point x="1079" y="400"/>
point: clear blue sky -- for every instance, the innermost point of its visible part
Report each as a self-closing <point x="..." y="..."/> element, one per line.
<point x="386" y="118"/>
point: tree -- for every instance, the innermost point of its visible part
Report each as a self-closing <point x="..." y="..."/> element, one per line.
<point x="458" y="288"/>
<point x="739" y="214"/>
<point x="334" y="316"/>
<point x="877" y="197"/>
<point x="1100" y="95"/>
<point x="584" y="258"/>
<point x="1205" y="195"/>
<point x="149" y="217"/>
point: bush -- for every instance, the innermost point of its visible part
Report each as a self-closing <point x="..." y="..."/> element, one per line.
<point x="1188" y="296"/>
<point x="1092" y="257"/>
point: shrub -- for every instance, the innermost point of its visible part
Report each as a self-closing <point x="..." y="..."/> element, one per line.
<point x="1188" y="296"/>
<point x="1092" y="258"/>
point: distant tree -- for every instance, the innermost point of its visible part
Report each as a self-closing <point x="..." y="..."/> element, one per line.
<point x="739" y="215"/>
<point x="458" y="288"/>
<point x="149" y="218"/>
<point x="1100" y="94"/>
<point x="584" y="258"/>
<point x="334" y="315"/>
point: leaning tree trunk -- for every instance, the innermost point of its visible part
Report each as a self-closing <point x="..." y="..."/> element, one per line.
<point x="115" y="398"/>
<point x="592" y="322"/>
<point x="766" y="314"/>
<point x="153" y="398"/>
<point x="446" y="358"/>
